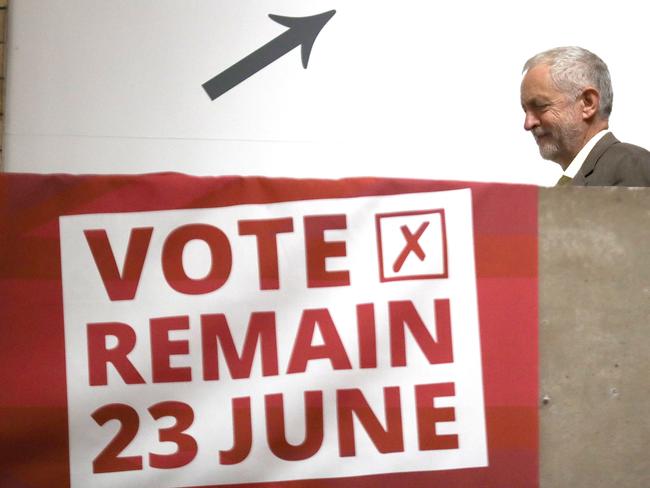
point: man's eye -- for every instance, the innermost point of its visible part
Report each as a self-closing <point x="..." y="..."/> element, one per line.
<point x="536" y="106"/>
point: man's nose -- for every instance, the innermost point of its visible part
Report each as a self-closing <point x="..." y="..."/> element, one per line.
<point x="530" y="121"/>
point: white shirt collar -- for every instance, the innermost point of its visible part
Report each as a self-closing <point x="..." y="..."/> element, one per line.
<point x="579" y="160"/>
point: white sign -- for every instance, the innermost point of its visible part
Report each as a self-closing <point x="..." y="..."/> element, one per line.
<point x="273" y="342"/>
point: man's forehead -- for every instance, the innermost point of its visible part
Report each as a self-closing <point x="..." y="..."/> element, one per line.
<point x="538" y="76"/>
<point x="537" y="84"/>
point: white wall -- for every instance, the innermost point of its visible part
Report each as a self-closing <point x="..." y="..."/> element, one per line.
<point x="413" y="88"/>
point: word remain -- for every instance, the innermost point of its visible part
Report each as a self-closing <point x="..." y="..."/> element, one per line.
<point x="261" y="338"/>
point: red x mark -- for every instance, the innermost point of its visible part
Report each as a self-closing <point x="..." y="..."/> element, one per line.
<point x="412" y="245"/>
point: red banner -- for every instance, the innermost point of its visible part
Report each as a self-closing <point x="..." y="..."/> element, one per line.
<point x="169" y="330"/>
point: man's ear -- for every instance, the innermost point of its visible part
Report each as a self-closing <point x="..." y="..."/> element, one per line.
<point x="590" y="100"/>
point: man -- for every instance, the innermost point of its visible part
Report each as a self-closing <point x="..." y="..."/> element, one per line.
<point x="566" y="94"/>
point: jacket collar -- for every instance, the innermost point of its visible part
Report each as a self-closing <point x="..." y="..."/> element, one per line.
<point x="593" y="157"/>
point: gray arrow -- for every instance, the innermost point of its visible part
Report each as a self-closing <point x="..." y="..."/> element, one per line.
<point x="302" y="32"/>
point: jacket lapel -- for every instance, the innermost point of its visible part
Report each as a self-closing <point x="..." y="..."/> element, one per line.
<point x="592" y="158"/>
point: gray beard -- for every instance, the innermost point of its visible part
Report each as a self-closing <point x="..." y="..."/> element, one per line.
<point x="564" y="140"/>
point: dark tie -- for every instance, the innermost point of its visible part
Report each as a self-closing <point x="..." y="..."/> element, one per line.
<point x="564" y="180"/>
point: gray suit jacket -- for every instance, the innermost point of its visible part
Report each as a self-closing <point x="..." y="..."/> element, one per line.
<point x="614" y="163"/>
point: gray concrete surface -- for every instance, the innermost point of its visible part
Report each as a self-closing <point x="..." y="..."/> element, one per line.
<point x="594" y="251"/>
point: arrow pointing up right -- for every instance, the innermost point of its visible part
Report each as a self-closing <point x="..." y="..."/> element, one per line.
<point x="302" y="32"/>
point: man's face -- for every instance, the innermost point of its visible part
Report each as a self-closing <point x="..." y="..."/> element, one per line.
<point x="552" y="116"/>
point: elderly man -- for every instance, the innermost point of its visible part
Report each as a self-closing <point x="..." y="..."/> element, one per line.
<point x="566" y="94"/>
